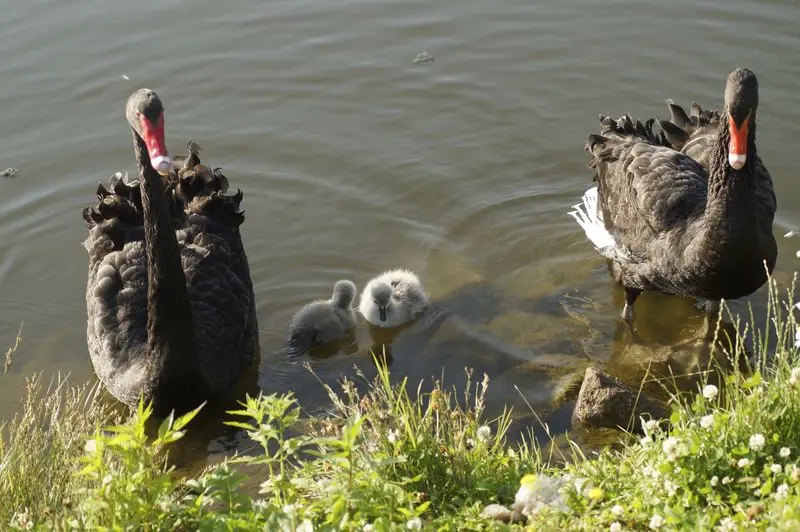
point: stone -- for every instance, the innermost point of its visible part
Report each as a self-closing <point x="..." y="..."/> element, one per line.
<point x="604" y="401"/>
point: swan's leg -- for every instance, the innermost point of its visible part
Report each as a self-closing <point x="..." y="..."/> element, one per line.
<point x="630" y="297"/>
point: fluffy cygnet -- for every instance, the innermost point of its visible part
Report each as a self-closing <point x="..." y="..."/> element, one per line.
<point x="393" y="298"/>
<point x="325" y="321"/>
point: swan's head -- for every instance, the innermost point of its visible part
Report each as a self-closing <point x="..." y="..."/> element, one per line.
<point x="741" y="101"/>
<point x="145" y="114"/>
<point x="382" y="297"/>
<point x="344" y="292"/>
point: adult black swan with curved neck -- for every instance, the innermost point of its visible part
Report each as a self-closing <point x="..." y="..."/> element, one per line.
<point x="171" y="311"/>
<point x="688" y="211"/>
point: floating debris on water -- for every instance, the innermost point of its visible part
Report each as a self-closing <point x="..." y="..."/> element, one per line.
<point x="126" y="77"/>
<point x="424" y="57"/>
<point x="790" y="234"/>
<point x="8" y="173"/>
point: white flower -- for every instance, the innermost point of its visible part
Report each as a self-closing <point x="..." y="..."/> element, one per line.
<point x="670" y="487"/>
<point x="710" y="392"/>
<point x="669" y="445"/>
<point x="645" y="441"/>
<point x="757" y="442"/>
<point x="393" y="436"/>
<point x="615" y="527"/>
<point x="657" y="522"/>
<point x="484" y="433"/>
<point x="290" y="509"/>
<point x="368" y="528"/>
<point x="743" y="462"/>
<point x="785" y="452"/>
<point x="726" y="480"/>
<point x="651" y="425"/>
<point x="90" y="447"/>
<point x="782" y="492"/>
<point x="714" y="481"/>
<point x="414" y="524"/>
<point x="726" y="525"/>
<point x="776" y="469"/>
<point x="617" y="510"/>
<point x="795" y="376"/>
<point x="305" y="526"/>
<point x="707" y="421"/>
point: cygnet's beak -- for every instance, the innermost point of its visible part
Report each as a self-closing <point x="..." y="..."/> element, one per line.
<point x="382" y="313"/>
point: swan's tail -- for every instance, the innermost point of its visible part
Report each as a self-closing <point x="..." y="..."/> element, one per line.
<point x="591" y="220"/>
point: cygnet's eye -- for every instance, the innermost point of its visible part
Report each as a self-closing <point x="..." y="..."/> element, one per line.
<point x="394" y="283"/>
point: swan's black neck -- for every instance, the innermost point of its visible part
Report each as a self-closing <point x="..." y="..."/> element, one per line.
<point x="170" y="330"/>
<point x="731" y="193"/>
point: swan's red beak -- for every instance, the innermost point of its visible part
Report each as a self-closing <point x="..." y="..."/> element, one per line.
<point x="737" y="151"/>
<point x="153" y="134"/>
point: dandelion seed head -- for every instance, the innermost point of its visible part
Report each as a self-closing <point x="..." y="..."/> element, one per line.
<point x="710" y="392"/>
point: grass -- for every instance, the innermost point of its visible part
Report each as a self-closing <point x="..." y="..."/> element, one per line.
<point x="393" y="458"/>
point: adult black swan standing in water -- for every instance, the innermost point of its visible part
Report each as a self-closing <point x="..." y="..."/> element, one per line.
<point x="675" y="224"/>
<point x="171" y="312"/>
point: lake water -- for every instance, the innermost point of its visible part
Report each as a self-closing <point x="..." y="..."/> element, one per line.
<point x="353" y="159"/>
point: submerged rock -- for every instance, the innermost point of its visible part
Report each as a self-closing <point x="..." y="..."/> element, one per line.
<point x="605" y="401"/>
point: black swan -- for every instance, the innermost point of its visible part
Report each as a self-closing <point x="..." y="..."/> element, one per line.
<point x="171" y="311"/>
<point x="324" y="321"/>
<point x="688" y="211"/>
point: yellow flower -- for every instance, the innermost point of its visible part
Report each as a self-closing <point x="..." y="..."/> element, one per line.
<point x="596" y="493"/>
<point x="528" y="479"/>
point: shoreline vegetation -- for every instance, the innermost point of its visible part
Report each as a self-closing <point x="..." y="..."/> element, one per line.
<point x="394" y="458"/>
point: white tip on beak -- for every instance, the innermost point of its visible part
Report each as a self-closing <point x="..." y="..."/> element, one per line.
<point x="737" y="160"/>
<point x="161" y="164"/>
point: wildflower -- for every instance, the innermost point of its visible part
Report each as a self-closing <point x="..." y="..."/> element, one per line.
<point x="368" y="528"/>
<point x="615" y="527"/>
<point x="657" y="522"/>
<point x="305" y="526"/>
<point x="670" y="487"/>
<point x="743" y="462"/>
<point x="617" y="510"/>
<point x="775" y="468"/>
<point x="757" y="442"/>
<point x="393" y="436"/>
<point x="512" y="453"/>
<point x="785" y="452"/>
<point x="414" y="524"/>
<point x="595" y="493"/>
<point x="726" y="524"/>
<point x="669" y="445"/>
<point x="782" y="492"/>
<point x="714" y="481"/>
<point x="484" y="433"/>
<point x="290" y="509"/>
<point x="645" y="441"/>
<point x="90" y="447"/>
<point x="651" y="425"/>
<point x="794" y="378"/>
<point x="707" y="421"/>
<point x="726" y="480"/>
<point x="259" y="505"/>
<point x="710" y="392"/>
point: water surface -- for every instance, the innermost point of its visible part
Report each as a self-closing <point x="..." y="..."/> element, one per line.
<point x="353" y="159"/>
